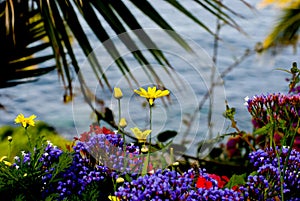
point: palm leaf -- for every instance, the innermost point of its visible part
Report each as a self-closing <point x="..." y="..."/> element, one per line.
<point x="17" y="61"/>
<point x="28" y="28"/>
<point x="285" y="32"/>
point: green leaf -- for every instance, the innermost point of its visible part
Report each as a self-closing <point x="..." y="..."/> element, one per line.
<point x="166" y="135"/>
<point x="263" y="130"/>
<point x="236" y="180"/>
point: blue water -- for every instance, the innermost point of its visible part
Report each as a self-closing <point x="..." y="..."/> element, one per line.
<point x="255" y="75"/>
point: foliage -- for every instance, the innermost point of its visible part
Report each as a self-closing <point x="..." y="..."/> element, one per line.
<point x="19" y="139"/>
<point x="28" y="28"/>
<point x="103" y="165"/>
<point x="286" y="30"/>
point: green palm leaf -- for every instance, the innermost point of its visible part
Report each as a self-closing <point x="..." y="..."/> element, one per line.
<point x="286" y="31"/>
<point x="28" y="28"/>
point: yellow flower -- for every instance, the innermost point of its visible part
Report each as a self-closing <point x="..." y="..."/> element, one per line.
<point x="25" y="121"/>
<point x="5" y="162"/>
<point x="152" y="94"/>
<point x="144" y="149"/>
<point x="120" y="180"/>
<point x="9" y="138"/>
<point x="123" y="123"/>
<point x="118" y="93"/>
<point x="113" y="198"/>
<point x="141" y="136"/>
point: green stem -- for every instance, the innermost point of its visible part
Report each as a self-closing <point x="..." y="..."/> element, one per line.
<point x="280" y="172"/>
<point x="9" y="150"/>
<point x="150" y="121"/>
<point x="28" y="137"/>
<point x="119" y="107"/>
<point x="123" y="134"/>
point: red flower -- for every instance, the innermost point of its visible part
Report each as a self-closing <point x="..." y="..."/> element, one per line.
<point x="98" y="130"/>
<point x="84" y="137"/>
<point x="236" y="188"/>
<point x="203" y="183"/>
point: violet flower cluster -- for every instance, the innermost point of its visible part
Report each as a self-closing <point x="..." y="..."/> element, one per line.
<point x="277" y="109"/>
<point x="273" y="107"/>
<point x="265" y="184"/>
<point x="108" y="151"/>
<point x="84" y="169"/>
<point x="171" y="185"/>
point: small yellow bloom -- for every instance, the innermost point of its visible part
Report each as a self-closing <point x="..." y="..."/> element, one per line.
<point x="25" y="121"/>
<point x="113" y="198"/>
<point x="5" y="162"/>
<point x="141" y="136"/>
<point x="152" y="94"/>
<point x="144" y="149"/>
<point x="123" y="123"/>
<point x="118" y="93"/>
<point x="9" y="138"/>
<point x="120" y="180"/>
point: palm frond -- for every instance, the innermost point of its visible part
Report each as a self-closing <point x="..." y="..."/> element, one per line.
<point x="37" y="32"/>
<point x="18" y="46"/>
<point x="286" y="31"/>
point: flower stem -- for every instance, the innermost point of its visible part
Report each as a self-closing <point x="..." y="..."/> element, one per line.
<point x="150" y="126"/>
<point x="9" y="150"/>
<point x="119" y="107"/>
<point x="28" y="137"/>
<point x="123" y="134"/>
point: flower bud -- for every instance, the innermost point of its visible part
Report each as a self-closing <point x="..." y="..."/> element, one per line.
<point x="122" y="123"/>
<point x="144" y="149"/>
<point x="118" y="93"/>
<point x="9" y="138"/>
<point x="120" y="180"/>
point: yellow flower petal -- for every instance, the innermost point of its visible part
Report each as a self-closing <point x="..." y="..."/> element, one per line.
<point x="30" y="120"/>
<point x="151" y="101"/>
<point x="5" y="162"/>
<point x="2" y="158"/>
<point x="20" y="118"/>
<point x="113" y="198"/>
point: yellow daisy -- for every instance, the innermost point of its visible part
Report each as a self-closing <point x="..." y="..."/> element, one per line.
<point x="25" y="121"/>
<point x="152" y="94"/>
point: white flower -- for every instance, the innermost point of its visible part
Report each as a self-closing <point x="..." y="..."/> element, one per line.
<point x="17" y="167"/>
<point x="49" y="142"/>
<point x="23" y="153"/>
<point x="246" y="100"/>
<point x="16" y="158"/>
<point x="46" y="154"/>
